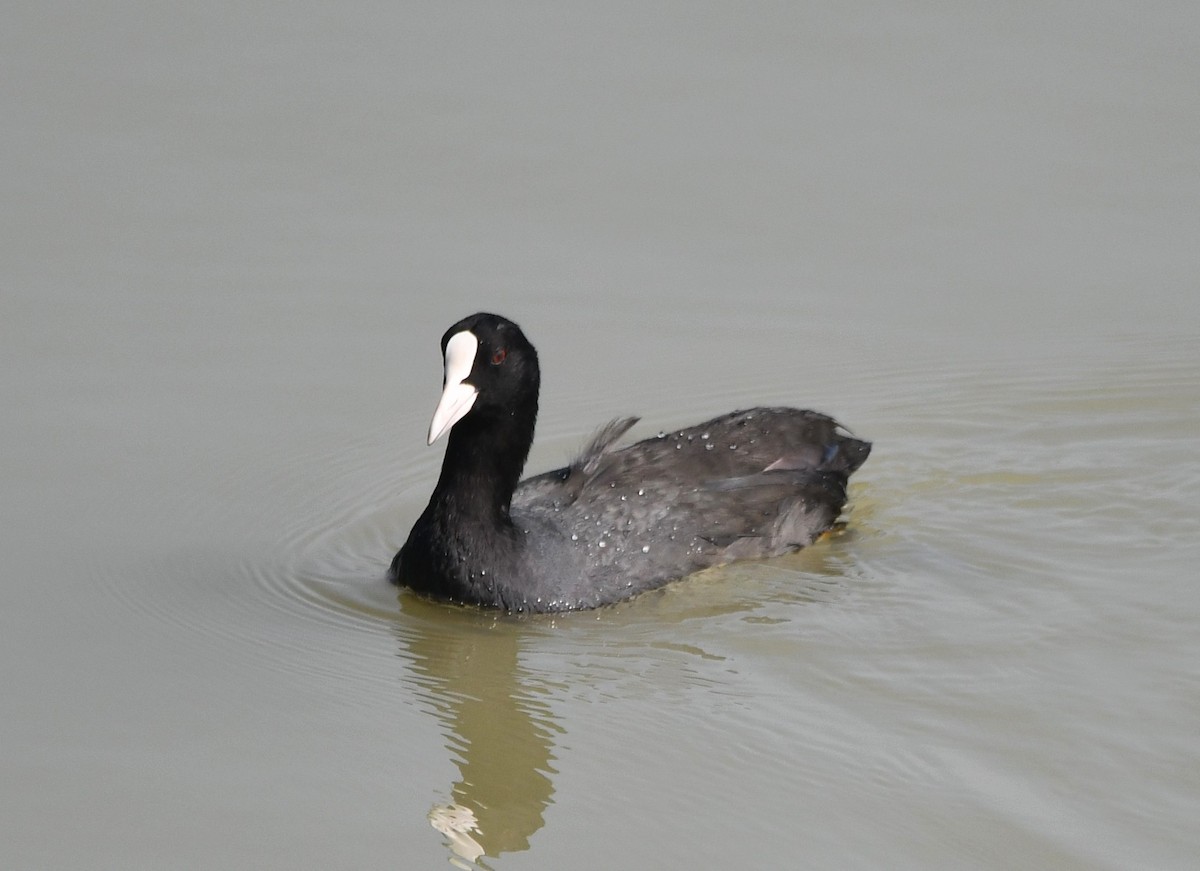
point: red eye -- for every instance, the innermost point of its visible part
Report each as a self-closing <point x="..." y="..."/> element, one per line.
<point x="499" y="356"/>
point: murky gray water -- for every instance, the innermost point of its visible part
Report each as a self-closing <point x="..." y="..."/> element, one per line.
<point x="232" y="238"/>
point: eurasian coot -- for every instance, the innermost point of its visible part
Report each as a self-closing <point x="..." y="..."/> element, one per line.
<point x="616" y="521"/>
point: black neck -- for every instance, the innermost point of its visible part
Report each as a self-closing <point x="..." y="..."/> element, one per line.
<point x="484" y="458"/>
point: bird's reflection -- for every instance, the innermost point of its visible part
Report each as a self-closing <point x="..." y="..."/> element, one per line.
<point x="499" y="730"/>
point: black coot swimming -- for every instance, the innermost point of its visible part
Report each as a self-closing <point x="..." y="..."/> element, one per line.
<point x="617" y="521"/>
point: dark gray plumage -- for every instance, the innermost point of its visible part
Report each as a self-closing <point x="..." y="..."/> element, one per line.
<point x="617" y="521"/>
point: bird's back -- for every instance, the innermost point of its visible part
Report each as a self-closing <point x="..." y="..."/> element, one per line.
<point x="749" y="484"/>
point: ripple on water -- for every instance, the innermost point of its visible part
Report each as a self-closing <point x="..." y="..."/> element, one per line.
<point x="1038" y="443"/>
<point x="972" y="474"/>
<point x="989" y="544"/>
<point x="300" y="588"/>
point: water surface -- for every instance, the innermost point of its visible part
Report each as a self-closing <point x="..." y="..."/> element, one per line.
<point x="233" y="237"/>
